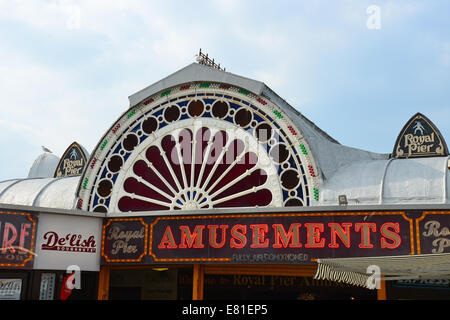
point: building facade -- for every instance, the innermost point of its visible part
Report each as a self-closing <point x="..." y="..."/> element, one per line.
<point x="211" y="186"/>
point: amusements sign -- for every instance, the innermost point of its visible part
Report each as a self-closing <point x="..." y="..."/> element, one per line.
<point x="72" y="162"/>
<point x="419" y="138"/>
<point x="256" y="238"/>
<point x="17" y="239"/>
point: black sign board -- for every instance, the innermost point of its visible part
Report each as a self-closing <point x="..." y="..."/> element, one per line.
<point x="256" y="238"/>
<point x="72" y="162"/>
<point x="17" y="239"/>
<point x="433" y="232"/>
<point x="419" y="138"/>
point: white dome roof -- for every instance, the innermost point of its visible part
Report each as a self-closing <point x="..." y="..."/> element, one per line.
<point x="44" y="166"/>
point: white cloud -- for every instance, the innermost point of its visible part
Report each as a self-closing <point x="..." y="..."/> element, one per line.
<point x="44" y="106"/>
<point x="144" y="41"/>
<point x="397" y="11"/>
<point x="37" y="14"/>
<point x="445" y="53"/>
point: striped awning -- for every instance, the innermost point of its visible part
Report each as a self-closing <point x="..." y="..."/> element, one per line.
<point x="365" y="271"/>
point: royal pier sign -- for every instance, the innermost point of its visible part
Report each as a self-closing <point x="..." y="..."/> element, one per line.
<point x="419" y="138"/>
<point x="72" y="162"/>
<point x="278" y="238"/>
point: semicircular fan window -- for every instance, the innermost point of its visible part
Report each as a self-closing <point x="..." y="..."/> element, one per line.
<point x="197" y="168"/>
<point x="217" y="148"/>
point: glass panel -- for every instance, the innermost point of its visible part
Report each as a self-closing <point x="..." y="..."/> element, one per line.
<point x="10" y="289"/>
<point x="148" y="284"/>
<point x="47" y="289"/>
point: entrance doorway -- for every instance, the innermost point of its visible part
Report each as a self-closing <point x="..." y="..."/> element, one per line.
<point x="228" y="282"/>
<point x="273" y="287"/>
<point x="150" y="283"/>
<point x="275" y="282"/>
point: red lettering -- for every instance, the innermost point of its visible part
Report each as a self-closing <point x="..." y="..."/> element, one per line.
<point x="62" y="241"/>
<point x="282" y="238"/>
<point x="192" y="240"/>
<point x="167" y="241"/>
<point x="365" y="233"/>
<point x="342" y="233"/>
<point x="386" y="233"/>
<point x="90" y="242"/>
<point x="313" y="231"/>
<point x="23" y="234"/>
<point x="7" y="242"/>
<point x="238" y="239"/>
<point x="259" y="233"/>
<point x="278" y="235"/>
<point x="213" y="236"/>
<point x="75" y="240"/>
<point x="52" y="239"/>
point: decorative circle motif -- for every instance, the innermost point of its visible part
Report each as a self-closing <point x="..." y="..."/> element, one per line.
<point x="243" y="117"/>
<point x="263" y="132"/>
<point x="101" y="209"/>
<point x="130" y="142"/>
<point x="293" y="202"/>
<point x="195" y="108"/>
<point x="289" y="179"/>
<point x="172" y="113"/>
<point x="279" y="153"/>
<point x="104" y="188"/>
<point x="115" y="163"/>
<point x="220" y="109"/>
<point x="150" y="125"/>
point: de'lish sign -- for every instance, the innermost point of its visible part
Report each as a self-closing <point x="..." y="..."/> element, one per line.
<point x="65" y="240"/>
<point x="279" y="238"/>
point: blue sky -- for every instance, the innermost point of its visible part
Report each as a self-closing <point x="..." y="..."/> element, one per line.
<point x="68" y="67"/>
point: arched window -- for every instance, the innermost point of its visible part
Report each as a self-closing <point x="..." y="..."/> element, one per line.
<point x="199" y="146"/>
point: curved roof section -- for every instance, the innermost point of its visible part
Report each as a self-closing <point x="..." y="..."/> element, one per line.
<point x="367" y="182"/>
<point x="40" y="192"/>
<point x="44" y="166"/>
<point x="192" y="73"/>
<point x="327" y="152"/>
<point x="390" y="181"/>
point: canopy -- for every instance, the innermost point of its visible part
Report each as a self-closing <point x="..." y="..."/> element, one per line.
<point x="363" y="271"/>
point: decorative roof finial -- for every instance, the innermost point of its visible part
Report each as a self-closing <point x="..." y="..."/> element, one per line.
<point x="203" y="59"/>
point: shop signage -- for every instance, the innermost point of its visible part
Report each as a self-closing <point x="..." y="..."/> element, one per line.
<point x="264" y="282"/>
<point x="64" y="240"/>
<point x="10" y="289"/>
<point x="256" y="238"/>
<point x="433" y="234"/>
<point x="71" y="242"/>
<point x="125" y="240"/>
<point x="17" y="239"/>
<point x="441" y="284"/>
<point x="419" y="138"/>
<point x="72" y="162"/>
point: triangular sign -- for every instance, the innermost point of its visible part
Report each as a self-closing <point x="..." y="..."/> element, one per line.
<point x="419" y="138"/>
<point x="72" y="162"/>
